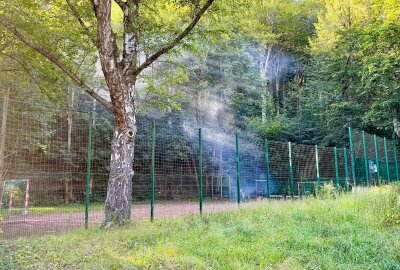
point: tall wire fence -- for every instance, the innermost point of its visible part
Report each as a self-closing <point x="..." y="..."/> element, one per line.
<point x="47" y="185"/>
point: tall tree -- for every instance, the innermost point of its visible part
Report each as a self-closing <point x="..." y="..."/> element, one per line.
<point x="124" y="53"/>
<point x="356" y="60"/>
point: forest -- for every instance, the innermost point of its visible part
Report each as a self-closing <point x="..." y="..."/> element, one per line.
<point x="289" y="70"/>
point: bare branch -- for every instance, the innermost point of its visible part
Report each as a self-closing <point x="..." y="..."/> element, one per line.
<point x="121" y="4"/>
<point x="55" y="61"/>
<point x="174" y="42"/>
<point x="108" y="49"/>
<point x="81" y="22"/>
<point x="131" y="34"/>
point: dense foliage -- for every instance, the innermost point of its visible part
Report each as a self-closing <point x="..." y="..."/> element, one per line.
<point x="290" y="70"/>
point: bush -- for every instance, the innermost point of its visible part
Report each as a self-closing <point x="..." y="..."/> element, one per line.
<point x="327" y="191"/>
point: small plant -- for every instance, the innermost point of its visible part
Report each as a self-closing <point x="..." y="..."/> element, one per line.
<point x="327" y="191"/>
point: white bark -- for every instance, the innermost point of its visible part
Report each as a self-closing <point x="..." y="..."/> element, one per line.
<point x="264" y="69"/>
<point x="396" y="123"/>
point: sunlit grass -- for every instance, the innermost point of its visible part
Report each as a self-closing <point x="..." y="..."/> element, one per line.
<point x="353" y="231"/>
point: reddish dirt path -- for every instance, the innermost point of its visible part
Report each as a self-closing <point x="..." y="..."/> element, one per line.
<point x="57" y="223"/>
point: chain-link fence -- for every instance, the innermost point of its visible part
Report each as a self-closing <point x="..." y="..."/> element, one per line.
<point x="43" y="163"/>
<point x="375" y="159"/>
<point x="47" y="185"/>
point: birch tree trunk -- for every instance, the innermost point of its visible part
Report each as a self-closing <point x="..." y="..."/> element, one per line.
<point x="119" y="192"/>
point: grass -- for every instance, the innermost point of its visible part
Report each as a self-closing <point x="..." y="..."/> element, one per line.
<point x="354" y="231"/>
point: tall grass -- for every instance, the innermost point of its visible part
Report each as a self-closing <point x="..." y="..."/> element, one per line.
<point x="351" y="231"/>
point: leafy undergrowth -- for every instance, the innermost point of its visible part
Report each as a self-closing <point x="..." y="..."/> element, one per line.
<point x="353" y="231"/>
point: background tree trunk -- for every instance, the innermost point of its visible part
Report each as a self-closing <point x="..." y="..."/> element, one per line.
<point x="264" y="69"/>
<point x="396" y="123"/>
<point x="68" y="184"/>
<point x="3" y="136"/>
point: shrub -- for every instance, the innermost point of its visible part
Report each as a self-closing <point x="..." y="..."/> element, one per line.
<point x="327" y="191"/>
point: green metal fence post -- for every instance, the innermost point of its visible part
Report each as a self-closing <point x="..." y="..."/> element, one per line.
<point x="200" y="172"/>
<point x="378" y="175"/>
<point x="387" y="159"/>
<point x="291" y="171"/>
<point x="153" y="161"/>
<point x="237" y="169"/>
<point x="267" y="167"/>
<point x="88" y="172"/>
<point x="336" y="166"/>
<point x="365" y="158"/>
<point x="346" y="167"/>
<point x="395" y="159"/>
<point x="353" y="163"/>
<point x="317" y="165"/>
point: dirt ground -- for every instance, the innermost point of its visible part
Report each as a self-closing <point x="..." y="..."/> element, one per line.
<point x="40" y="224"/>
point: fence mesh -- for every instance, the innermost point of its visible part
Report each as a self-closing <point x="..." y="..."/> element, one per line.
<point x="374" y="157"/>
<point x="219" y="163"/>
<point x="49" y="146"/>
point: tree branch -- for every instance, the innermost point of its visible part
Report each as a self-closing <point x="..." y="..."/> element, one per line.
<point x="9" y="70"/>
<point x="25" y="69"/>
<point x="121" y="4"/>
<point x="81" y="22"/>
<point x="174" y="42"/>
<point x="131" y="35"/>
<point x="95" y="3"/>
<point x="108" y="49"/>
<point x="56" y="62"/>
